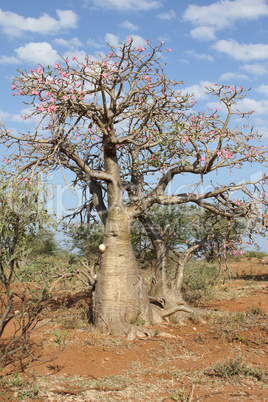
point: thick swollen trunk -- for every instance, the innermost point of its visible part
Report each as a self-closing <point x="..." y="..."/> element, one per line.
<point x="120" y="299"/>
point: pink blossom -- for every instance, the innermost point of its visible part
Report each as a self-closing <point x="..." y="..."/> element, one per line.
<point x="162" y="42"/>
<point x="168" y="49"/>
<point x="51" y="108"/>
<point x="218" y="153"/>
<point x="74" y="58"/>
<point x="56" y="66"/>
<point x="147" y="78"/>
<point x="185" y="139"/>
<point x="26" y="179"/>
<point x="65" y="97"/>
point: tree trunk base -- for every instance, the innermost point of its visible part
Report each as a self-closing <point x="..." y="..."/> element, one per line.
<point x="168" y="304"/>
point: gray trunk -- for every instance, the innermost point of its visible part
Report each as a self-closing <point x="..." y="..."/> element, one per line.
<point x="166" y="298"/>
<point x="120" y="298"/>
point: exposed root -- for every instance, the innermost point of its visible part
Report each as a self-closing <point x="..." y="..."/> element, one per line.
<point x="174" y="310"/>
<point x="160" y="313"/>
<point x="142" y="332"/>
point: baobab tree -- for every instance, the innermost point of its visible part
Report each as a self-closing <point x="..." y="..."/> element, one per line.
<point x="127" y="132"/>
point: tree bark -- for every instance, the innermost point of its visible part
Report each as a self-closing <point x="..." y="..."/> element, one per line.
<point x="166" y="298"/>
<point x="120" y="299"/>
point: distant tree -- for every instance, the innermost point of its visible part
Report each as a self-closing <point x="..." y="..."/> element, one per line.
<point x="42" y="242"/>
<point x="126" y="132"/>
<point x="85" y="238"/>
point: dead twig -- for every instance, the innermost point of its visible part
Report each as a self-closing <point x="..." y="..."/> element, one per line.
<point x="96" y="388"/>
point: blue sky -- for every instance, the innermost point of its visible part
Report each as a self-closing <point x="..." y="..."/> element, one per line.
<point x="211" y="41"/>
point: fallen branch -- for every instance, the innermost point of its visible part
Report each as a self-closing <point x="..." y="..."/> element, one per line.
<point x="96" y="388"/>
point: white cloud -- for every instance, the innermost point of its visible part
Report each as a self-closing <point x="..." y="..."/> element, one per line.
<point x="37" y="52"/>
<point x="4" y="115"/>
<point x="129" y="26"/>
<point x="137" y="40"/>
<point x="242" y="51"/>
<point x="263" y="89"/>
<point x="248" y="104"/>
<point x="79" y="55"/>
<point x="93" y="43"/>
<point x="262" y="130"/>
<point x="224" y="13"/>
<point x="14" y="24"/>
<point x="112" y="39"/>
<point x="199" y="56"/>
<point x="232" y="76"/>
<point x="257" y="69"/>
<point x="71" y="43"/>
<point x="203" y="33"/>
<point x="9" y="60"/>
<point x="126" y="5"/>
<point x="198" y="90"/>
<point x="169" y="15"/>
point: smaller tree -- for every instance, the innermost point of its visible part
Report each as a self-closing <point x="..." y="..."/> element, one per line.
<point x="42" y="242"/>
<point x="85" y="238"/>
<point x="22" y="212"/>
